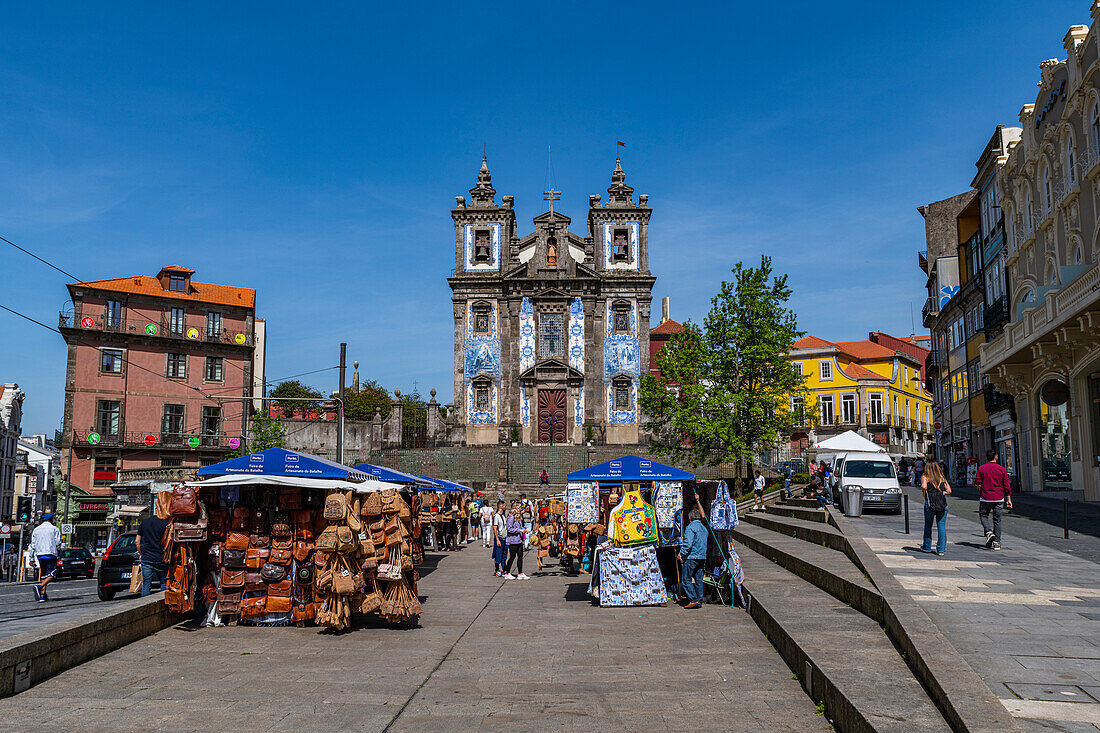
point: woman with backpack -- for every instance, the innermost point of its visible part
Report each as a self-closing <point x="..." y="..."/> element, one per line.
<point x="935" y="489"/>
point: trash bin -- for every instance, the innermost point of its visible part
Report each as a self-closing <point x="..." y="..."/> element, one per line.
<point x="853" y="501"/>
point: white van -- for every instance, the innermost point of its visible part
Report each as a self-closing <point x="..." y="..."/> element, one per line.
<point x="876" y="474"/>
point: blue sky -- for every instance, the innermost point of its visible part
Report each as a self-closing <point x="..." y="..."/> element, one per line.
<point x="315" y="155"/>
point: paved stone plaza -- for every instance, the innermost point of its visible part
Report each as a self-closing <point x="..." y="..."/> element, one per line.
<point x="1026" y="618"/>
<point x="491" y="655"/>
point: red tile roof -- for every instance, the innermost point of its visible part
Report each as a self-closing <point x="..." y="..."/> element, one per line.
<point x="865" y="350"/>
<point x="668" y="327"/>
<point x="857" y="371"/>
<point x="200" y="292"/>
<point x="810" y="342"/>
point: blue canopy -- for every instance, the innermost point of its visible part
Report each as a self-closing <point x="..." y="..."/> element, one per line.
<point x="447" y="485"/>
<point x="283" y="462"/>
<point x="393" y="475"/>
<point x="631" y="468"/>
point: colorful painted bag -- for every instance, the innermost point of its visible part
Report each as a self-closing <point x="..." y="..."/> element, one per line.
<point x="723" y="511"/>
<point x="582" y="503"/>
<point x="633" y="521"/>
<point x="668" y="501"/>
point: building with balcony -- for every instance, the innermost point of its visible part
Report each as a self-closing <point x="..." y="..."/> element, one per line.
<point x="11" y="425"/>
<point x="157" y="369"/>
<point x="1046" y="354"/>
<point x="874" y="387"/>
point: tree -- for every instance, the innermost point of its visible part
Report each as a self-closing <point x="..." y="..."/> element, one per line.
<point x="362" y="404"/>
<point x="267" y="432"/>
<point x="296" y="390"/>
<point x="725" y="387"/>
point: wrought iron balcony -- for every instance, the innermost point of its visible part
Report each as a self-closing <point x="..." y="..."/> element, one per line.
<point x="930" y="312"/>
<point x="143" y="327"/>
<point x="995" y="314"/>
<point x="996" y="401"/>
<point x="182" y="441"/>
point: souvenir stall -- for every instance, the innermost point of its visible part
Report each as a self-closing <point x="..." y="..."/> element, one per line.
<point x="438" y="515"/>
<point x="626" y="518"/>
<point x="279" y="537"/>
<point x="414" y="485"/>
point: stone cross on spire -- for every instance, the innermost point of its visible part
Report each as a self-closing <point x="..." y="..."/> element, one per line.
<point x="551" y="196"/>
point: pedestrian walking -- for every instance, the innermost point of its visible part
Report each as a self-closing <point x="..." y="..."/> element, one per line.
<point x="150" y="543"/>
<point x="935" y="489"/>
<point x="544" y="478"/>
<point x="45" y="539"/>
<point x="787" y="481"/>
<point x="693" y="555"/>
<point x="758" y="490"/>
<point x="485" y="516"/>
<point x="500" y="533"/>
<point x="515" y="538"/>
<point x="527" y="515"/>
<point x="994" y="496"/>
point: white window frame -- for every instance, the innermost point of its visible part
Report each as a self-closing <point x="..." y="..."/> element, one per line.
<point x="874" y="399"/>
<point x="798" y="368"/>
<point x="1071" y="158"/>
<point x="846" y="400"/>
<point x="825" y="370"/>
<point x="830" y="413"/>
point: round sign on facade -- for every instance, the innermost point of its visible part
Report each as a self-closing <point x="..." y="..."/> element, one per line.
<point x="151" y="329"/>
<point x="192" y="333"/>
<point x="150" y="440"/>
<point x="86" y="322"/>
<point x="1054" y="392"/>
<point x="5" y="528"/>
<point x="234" y="442"/>
<point x="239" y="338"/>
<point x="93" y="438"/>
<point x="193" y="441"/>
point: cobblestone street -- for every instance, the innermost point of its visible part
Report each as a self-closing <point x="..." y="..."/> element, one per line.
<point x="491" y="655"/>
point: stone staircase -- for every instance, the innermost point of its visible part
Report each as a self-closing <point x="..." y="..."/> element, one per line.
<point x="874" y="667"/>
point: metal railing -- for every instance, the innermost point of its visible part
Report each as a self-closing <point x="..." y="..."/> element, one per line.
<point x="137" y="439"/>
<point x="931" y="310"/>
<point x="995" y="313"/>
<point x="164" y="329"/>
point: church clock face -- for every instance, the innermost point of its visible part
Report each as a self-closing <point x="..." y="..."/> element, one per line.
<point x="482" y="247"/>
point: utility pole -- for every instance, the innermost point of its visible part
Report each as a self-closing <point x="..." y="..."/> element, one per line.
<point x="340" y="417"/>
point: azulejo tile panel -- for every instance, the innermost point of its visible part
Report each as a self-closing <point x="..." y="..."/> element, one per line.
<point x="621" y="357"/>
<point x="481" y="417"/>
<point x="526" y="335"/>
<point x="633" y="227"/>
<point x="524" y="407"/>
<point x="576" y="335"/>
<point x="622" y="417"/>
<point x="494" y="237"/>
<point x="578" y="407"/>
<point x="481" y="357"/>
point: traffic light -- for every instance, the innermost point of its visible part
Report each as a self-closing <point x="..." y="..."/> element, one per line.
<point x="23" y="509"/>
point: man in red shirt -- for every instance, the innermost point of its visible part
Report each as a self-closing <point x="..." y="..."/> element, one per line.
<point x="994" y="495"/>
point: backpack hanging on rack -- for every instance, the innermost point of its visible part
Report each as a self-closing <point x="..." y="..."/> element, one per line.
<point x="723" y="511"/>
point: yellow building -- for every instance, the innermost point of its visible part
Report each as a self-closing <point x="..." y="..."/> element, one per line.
<point x="875" y="387"/>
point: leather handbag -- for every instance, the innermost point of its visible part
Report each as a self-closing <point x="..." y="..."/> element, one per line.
<point x="232" y="578"/>
<point x="254" y="583"/>
<point x="303" y="611"/>
<point x="191" y="528"/>
<point x="403" y="512"/>
<point x="185" y="502"/>
<point x="326" y="541"/>
<point x="322" y="581"/>
<point x="229" y="604"/>
<point x="301" y="517"/>
<point x="369" y="564"/>
<point x="282" y="530"/>
<point x="239" y="519"/>
<point x="219" y="522"/>
<point x="278" y="604"/>
<point x="366" y="545"/>
<point x="233" y="559"/>
<point x="320" y="559"/>
<point x="236" y="541"/>
<point x="290" y="499"/>
<point x="303" y="574"/>
<point x="282" y="544"/>
<point x="343" y="584"/>
<point x="393" y="530"/>
<point x="259" y="541"/>
<point x="273" y="573"/>
<point x="389" y="501"/>
<point x="284" y="587"/>
<point x="372" y="505"/>
<point x="336" y="507"/>
<point x="255" y="558"/>
<point x="251" y="607"/>
<point x="258" y="522"/>
<point x="214" y="555"/>
<point x="280" y="557"/>
<point x="302" y="550"/>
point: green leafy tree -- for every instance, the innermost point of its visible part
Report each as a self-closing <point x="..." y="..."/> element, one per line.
<point x="296" y="390"/>
<point x="267" y="432"/>
<point x="725" y="387"/>
<point x="362" y="404"/>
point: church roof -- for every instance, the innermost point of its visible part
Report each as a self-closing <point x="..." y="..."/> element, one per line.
<point x="667" y="328"/>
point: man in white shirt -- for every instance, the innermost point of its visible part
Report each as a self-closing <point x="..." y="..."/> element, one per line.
<point x="486" y="515"/>
<point x="44" y="543"/>
<point x="758" y="490"/>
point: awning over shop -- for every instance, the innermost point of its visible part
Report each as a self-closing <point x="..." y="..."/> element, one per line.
<point x="444" y="485"/>
<point x="631" y="468"/>
<point x="283" y="462"/>
<point x="398" y="477"/>
<point x="127" y="511"/>
<point x="326" y="484"/>
<point x="848" y="442"/>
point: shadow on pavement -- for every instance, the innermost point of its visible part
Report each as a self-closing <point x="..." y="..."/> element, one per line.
<point x="576" y="592"/>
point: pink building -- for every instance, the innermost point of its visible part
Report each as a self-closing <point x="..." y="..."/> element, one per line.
<point x="152" y="361"/>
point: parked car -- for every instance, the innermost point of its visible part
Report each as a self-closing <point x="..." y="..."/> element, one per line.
<point x="117" y="565"/>
<point x="75" y="562"/>
<point x="875" y="474"/>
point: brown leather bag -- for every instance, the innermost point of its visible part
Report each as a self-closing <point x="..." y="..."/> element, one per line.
<point x="281" y="530"/>
<point x="259" y="541"/>
<point x="185" y="502"/>
<point x="191" y="528"/>
<point x="236" y="541"/>
<point x="254" y="583"/>
<point x="320" y="559"/>
<point x="346" y="540"/>
<point x="343" y="583"/>
<point x="393" y="530"/>
<point x="326" y="541"/>
<point x="273" y="573"/>
<point x="302" y="550"/>
<point x="232" y="578"/>
<point x="284" y="587"/>
<point x="229" y="604"/>
<point x="219" y="522"/>
<point x="280" y="557"/>
<point x="214" y="555"/>
<point x="290" y="499"/>
<point x="258" y="521"/>
<point x="282" y="544"/>
<point x="251" y="607"/>
<point x="233" y="559"/>
<point x="239" y="520"/>
<point x="372" y="505"/>
<point x="369" y="565"/>
<point x="303" y="611"/>
<point x="255" y="557"/>
<point x="389" y="501"/>
<point x="403" y="512"/>
<point x="278" y="604"/>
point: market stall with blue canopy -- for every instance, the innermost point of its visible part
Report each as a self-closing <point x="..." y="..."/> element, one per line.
<point x="437" y="514"/>
<point x="394" y="476"/>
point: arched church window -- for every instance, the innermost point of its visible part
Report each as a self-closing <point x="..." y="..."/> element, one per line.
<point x="621" y="393"/>
<point x="552" y="252"/>
<point x="620" y="245"/>
<point x="1077" y="256"/>
<point x="483" y="250"/>
<point x="551" y="335"/>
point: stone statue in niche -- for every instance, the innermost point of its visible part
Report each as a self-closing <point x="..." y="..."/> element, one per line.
<point x="552" y="252"/>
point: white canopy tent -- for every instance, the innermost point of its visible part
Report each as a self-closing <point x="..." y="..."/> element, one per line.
<point x="330" y="484"/>
<point x="848" y="442"/>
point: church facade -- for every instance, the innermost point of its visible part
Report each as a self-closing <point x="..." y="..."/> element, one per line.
<point x="551" y="328"/>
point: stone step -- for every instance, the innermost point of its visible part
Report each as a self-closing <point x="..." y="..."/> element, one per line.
<point x="842" y="657"/>
<point x="810" y="515"/>
<point x="830" y="571"/>
<point x="808" y="503"/>
<point x="820" y="533"/>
